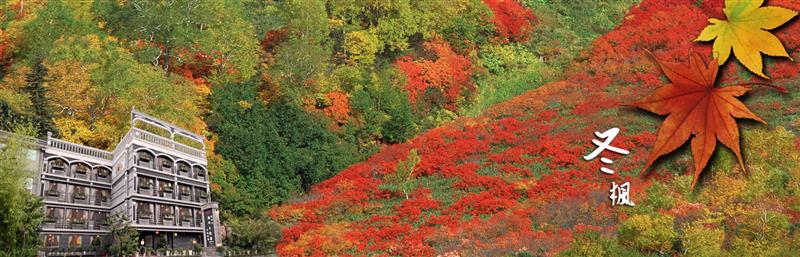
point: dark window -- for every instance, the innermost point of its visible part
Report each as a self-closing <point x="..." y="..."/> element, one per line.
<point x="166" y="163"/>
<point x="145" y="159"/>
<point x="183" y="168"/>
<point x="52" y="215"/>
<point x="145" y="183"/>
<point x="79" y="192"/>
<point x="144" y="211"/>
<point x="81" y="168"/>
<point x="53" y="189"/>
<point x="58" y="165"/>
<point x="103" y="172"/>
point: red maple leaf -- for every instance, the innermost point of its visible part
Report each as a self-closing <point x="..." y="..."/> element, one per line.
<point x="696" y="107"/>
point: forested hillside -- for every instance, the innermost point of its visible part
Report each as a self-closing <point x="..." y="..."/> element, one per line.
<point x="288" y="93"/>
<point x="513" y="181"/>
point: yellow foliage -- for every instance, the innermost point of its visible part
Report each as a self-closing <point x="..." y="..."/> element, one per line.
<point x="73" y="130"/>
<point x="328" y="238"/>
<point x="762" y="233"/>
<point x="648" y="233"/>
<point x="725" y="191"/>
<point x="69" y="88"/>
<point x="11" y="89"/>
<point x="361" y="47"/>
<point x="701" y="240"/>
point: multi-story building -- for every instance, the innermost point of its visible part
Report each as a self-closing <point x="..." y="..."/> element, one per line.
<point x="160" y="184"/>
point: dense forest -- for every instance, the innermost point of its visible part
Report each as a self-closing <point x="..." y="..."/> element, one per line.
<point x="288" y="93"/>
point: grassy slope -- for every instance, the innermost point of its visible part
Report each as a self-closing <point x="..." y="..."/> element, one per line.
<point x="512" y="179"/>
<point x="563" y="29"/>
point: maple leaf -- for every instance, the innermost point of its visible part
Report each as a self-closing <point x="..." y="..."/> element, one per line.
<point x="745" y="32"/>
<point x="695" y="107"/>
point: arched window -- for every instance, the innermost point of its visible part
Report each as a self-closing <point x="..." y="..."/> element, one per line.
<point x="184" y="169"/>
<point x="81" y="169"/>
<point x="165" y="164"/>
<point x="57" y="165"/>
<point x="200" y="171"/>
<point x="145" y="159"/>
<point x="103" y="173"/>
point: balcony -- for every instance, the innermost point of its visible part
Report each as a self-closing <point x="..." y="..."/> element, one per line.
<point x="167" y="143"/>
<point x="201" y="196"/>
<point x="166" y="220"/>
<point x="103" y="175"/>
<point x="184" y="170"/>
<point x="145" y="187"/>
<point x="63" y="223"/>
<point x="79" y="197"/>
<point x="186" y="195"/>
<point x="60" y="196"/>
<point x="79" y="149"/>
<point x="145" y="218"/>
<point x="58" y="167"/>
<point x="200" y="174"/>
<point x="80" y="171"/>
<point x="145" y="159"/>
<point x="166" y="164"/>
<point x="167" y="191"/>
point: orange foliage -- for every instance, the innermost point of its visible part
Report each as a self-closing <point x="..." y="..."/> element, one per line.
<point x="448" y="72"/>
<point x="335" y="105"/>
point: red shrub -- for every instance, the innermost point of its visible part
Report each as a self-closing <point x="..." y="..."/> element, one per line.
<point x="448" y="72"/>
<point x="511" y="20"/>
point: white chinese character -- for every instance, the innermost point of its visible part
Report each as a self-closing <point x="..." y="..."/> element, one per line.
<point x="619" y="194"/>
<point x="609" y="136"/>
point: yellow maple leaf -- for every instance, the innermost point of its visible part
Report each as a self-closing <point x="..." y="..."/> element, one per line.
<point x="746" y="33"/>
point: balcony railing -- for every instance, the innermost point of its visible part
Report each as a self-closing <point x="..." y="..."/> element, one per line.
<point x="166" y="142"/>
<point x="89" y="199"/>
<point x="64" y="223"/>
<point x="177" y="221"/>
<point x="79" y="149"/>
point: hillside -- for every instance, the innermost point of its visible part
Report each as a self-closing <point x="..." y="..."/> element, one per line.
<point x="512" y="180"/>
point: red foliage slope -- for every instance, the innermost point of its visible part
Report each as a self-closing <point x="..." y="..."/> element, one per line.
<point x="514" y="178"/>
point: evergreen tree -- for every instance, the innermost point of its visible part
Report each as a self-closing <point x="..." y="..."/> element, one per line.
<point x="41" y="113"/>
<point x="123" y="236"/>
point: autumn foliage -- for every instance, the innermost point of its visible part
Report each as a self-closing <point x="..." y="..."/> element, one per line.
<point x="511" y="19"/>
<point x="444" y="75"/>
<point x="512" y="180"/>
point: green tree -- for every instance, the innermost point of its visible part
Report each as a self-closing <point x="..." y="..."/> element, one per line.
<point x="21" y="212"/>
<point x="42" y="113"/>
<point x="176" y="29"/>
<point x="278" y="148"/>
<point x="253" y="233"/>
<point x="403" y="179"/>
<point x="123" y="236"/>
<point x="306" y="53"/>
<point x="45" y="24"/>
